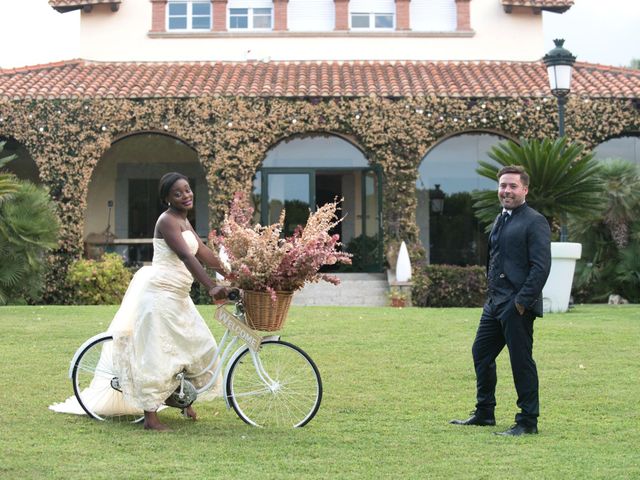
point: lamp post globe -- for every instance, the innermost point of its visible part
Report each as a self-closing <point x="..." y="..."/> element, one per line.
<point x="559" y="62"/>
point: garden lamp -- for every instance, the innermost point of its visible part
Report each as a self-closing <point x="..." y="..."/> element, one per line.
<point x="559" y="62"/>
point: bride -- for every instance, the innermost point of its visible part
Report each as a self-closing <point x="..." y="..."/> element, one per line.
<point x="157" y="330"/>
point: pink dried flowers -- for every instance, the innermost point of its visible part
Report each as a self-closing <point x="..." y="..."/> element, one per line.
<point x="260" y="260"/>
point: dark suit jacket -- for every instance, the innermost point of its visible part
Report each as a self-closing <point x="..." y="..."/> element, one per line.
<point x="525" y="256"/>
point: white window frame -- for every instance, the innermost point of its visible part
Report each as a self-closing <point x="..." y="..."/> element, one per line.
<point x="372" y="21"/>
<point x="189" y="15"/>
<point x="251" y="17"/>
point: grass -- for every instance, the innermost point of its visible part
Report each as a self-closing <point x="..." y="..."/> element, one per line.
<point x="392" y="378"/>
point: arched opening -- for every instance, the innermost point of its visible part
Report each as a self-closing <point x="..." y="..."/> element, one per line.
<point x="626" y="147"/>
<point x="123" y="203"/>
<point x="447" y="176"/>
<point x="23" y="166"/>
<point x="301" y="173"/>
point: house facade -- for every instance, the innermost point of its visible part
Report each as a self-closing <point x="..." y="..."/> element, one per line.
<point x="383" y="103"/>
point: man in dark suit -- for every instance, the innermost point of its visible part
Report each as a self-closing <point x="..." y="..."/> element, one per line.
<point x="517" y="269"/>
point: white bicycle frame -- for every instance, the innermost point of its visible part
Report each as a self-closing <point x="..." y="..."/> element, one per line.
<point x="222" y="353"/>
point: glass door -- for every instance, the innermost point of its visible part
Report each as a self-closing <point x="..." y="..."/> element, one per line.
<point x="292" y="190"/>
<point x="371" y="247"/>
<point x="300" y="190"/>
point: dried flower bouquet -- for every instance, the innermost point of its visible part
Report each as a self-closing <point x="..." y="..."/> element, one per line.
<point x="261" y="260"/>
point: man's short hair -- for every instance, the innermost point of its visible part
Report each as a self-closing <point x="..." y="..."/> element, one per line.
<point x="517" y="169"/>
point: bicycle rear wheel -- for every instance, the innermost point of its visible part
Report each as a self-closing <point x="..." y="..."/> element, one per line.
<point x="95" y="384"/>
<point x="287" y="391"/>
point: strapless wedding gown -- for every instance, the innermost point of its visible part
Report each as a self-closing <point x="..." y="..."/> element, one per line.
<point x="158" y="333"/>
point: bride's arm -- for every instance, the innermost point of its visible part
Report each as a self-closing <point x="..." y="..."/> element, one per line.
<point x="206" y="255"/>
<point x="169" y="228"/>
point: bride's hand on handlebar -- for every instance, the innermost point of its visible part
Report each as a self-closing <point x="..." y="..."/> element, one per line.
<point x="218" y="294"/>
<point x="221" y="294"/>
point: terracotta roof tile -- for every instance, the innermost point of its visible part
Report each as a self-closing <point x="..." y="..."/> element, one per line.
<point x="64" y="6"/>
<point x="79" y="3"/>
<point x="556" y="4"/>
<point x="84" y="79"/>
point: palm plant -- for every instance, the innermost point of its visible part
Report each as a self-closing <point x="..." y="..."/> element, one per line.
<point x="28" y="228"/>
<point x="621" y="180"/>
<point x="610" y="237"/>
<point x="563" y="179"/>
<point x="8" y="183"/>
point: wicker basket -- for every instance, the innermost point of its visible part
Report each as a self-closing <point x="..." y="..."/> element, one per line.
<point x="263" y="313"/>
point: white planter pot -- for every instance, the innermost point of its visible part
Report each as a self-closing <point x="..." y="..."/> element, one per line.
<point x="557" y="290"/>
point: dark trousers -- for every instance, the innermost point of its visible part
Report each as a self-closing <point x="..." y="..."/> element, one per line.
<point x="502" y="325"/>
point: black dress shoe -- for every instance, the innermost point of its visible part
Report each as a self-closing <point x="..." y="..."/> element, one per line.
<point x="476" y="419"/>
<point x="518" y="430"/>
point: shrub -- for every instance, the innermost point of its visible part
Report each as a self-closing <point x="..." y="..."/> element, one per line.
<point x="28" y="229"/>
<point x="449" y="286"/>
<point x="610" y="238"/>
<point x="98" y="282"/>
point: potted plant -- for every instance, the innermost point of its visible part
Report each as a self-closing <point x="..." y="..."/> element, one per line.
<point x="270" y="267"/>
<point x="563" y="183"/>
<point x="398" y="297"/>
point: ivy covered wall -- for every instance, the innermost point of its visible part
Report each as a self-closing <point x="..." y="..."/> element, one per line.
<point x="67" y="139"/>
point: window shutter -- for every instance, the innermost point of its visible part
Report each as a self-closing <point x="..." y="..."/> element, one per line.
<point x="250" y="4"/>
<point x="433" y="15"/>
<point x="311" y="15"/>
<point x="373" y="6"/>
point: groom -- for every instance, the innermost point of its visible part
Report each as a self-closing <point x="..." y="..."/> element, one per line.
<point x="517" y="269"/>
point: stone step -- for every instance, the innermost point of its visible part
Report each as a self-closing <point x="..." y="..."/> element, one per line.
<point x="355" y="289"/>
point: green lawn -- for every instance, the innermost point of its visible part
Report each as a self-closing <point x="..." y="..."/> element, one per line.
<point x="392" y="381"/>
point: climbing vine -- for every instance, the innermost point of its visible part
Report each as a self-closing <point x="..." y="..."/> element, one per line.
<point x="231" y="135"/>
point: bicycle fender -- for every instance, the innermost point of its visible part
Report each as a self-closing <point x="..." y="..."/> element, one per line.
<point x="83" y="346"/>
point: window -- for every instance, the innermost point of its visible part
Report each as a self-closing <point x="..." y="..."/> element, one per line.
<point x="189" y="15"/>
<point x="372" y="21"/>
<point x="250" y="18"/>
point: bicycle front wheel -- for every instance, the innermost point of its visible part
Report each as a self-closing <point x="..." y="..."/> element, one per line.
<point x="279" y="386"/>
<point x="95" y="384"/>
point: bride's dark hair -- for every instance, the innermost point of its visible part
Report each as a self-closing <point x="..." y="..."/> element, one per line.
<point x="166" y="182"/>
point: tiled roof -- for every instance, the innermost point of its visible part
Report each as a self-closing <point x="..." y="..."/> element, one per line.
<point x="69" y="5"/>
<point x="84" y="79"/>
<point x="553" y="5"/>
<point x="79" y="3"/>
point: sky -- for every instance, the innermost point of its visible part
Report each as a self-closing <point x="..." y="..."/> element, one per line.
<point x="596" y="31"/>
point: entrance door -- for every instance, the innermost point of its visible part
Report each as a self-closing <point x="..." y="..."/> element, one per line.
<point x="371" y="247"/>
<point x="292" y="190"/>
<point x="301" y="190"/>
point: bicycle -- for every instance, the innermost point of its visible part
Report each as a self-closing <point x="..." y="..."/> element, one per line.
<point x="267" y="381"/>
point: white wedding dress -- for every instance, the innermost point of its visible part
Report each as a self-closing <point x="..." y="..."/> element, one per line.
<point x="158" y="333"/>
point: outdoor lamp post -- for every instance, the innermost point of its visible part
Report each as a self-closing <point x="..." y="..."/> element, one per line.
<point x="559" y="62"/>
